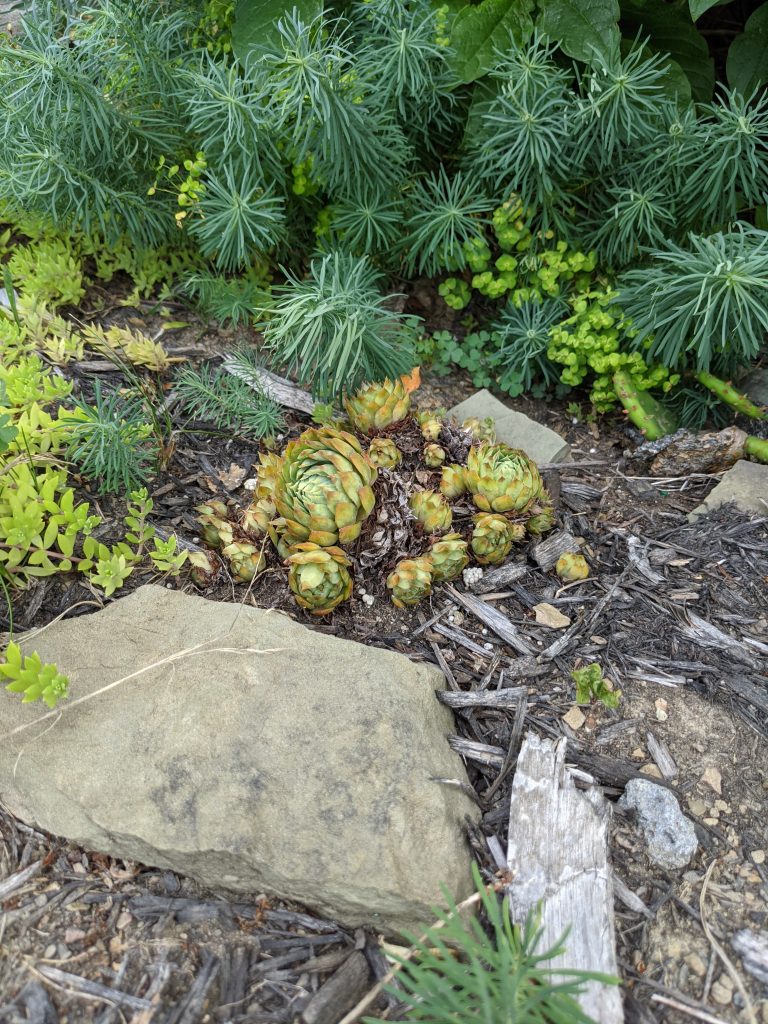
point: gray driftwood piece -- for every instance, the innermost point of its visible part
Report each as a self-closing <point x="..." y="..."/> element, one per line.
<point x="557" y="852"/>
<point x="547" y="551"/>
<point x="282" y="390"/>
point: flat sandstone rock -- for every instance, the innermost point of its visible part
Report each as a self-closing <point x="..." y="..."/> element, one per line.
<point x="515" y="428"/>
<point x="273" y="758"/>
<point x="746" y="485"/>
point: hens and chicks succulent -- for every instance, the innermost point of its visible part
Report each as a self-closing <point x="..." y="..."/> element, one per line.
<point x="313" y="501"/>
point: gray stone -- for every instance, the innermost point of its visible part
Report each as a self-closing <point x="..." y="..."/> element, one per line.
<point x="248" y="752"/>
<point x="515" y="428"/>
<point x="755" y="386"/>
<point x="746" y="485"/>
<point x="11" y="13"/>
<point x="669" y="836"/>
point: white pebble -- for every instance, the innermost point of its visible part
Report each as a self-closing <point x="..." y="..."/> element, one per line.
<point x="488" y="646"/>
<point x="484" y="631"/>
<point x="250" y="484"/>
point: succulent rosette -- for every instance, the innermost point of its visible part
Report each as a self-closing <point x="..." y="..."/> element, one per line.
<point x="246" y="560"/>
<point x="434" y="455"/>
<point x="502" y="479"/>
<point x="452" y="481"/>
<point x="481" y="430"/>
<point x="542" y="520"/>
<point x="258" y="517"/>
<point x="384" y="453"/>
<point x="431" y="423"/>
<point x="432" y="511"/>
<point x="571" y="567"/>
<point x="378" y="406"/>
<point x="493" y="536"/>
<point x="319" y="577"/>
<point x="216" y="528"/>
<point x="410" y="581"/>
<point x="323" y="491"/>
<point x="449" y="557"/>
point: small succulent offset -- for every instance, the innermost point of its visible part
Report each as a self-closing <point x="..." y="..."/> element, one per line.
<point x="31" y="677"/>
<point x="572" y="567"/>
<point x="592" y="685"/>
<point x="340" y="502"/>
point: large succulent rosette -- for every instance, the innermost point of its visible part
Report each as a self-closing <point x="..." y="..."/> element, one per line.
<point x="378" y="406"/>
<point x="324" y="489"/>
<point x="319" y="577"/>
<point x="502" y="479"/>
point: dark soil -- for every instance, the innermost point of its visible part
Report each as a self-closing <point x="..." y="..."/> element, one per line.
<point x="165" y="951"/>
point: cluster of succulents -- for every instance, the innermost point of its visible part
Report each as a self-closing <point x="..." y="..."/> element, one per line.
<point x="339" y="494"/>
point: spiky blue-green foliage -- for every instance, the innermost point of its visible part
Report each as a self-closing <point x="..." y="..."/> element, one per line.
<point x="405" y="68"/>
<point x="110" y="441"/>
<point x="230" y="115"/>
<point x="528" y="141"/>
<point x="400" y="56"/>
<point x="621" y="101"/>
<point x="367" y="221"/>
<point x="334" y="330"/>
<point x="522" y="334"/>
<point x="320" y="105"/>
<point x="725" y="160"/>
<point x="80" y="134"/>
<point x="631" y="215"/>
<point x="237" y="300"/>
<point x="238" y="219"/>
<point x="234" y="402"/>
<point x="443" y="214"/>
<point x="491" y="971"/>
<point x="703" y="306"/>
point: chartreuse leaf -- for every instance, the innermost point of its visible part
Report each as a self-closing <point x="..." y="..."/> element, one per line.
<point x="255" y="24"/>
<point x="29" y="676"/>
<point x="584" y="29"/>
<point x="478" y="32"/>
<point x="747" y="63"/>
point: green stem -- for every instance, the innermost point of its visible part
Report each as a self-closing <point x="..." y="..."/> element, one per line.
<point x="727" y="393"/>
<point x="643" y="410"/>
<point x="757" y="448"/>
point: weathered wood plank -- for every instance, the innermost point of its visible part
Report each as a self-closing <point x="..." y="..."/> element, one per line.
<point x="283" y="391"/>
<point x="557" y="852"/>
<point x="492" y="618"/>
<point x="506" y="698"/>
<point x="547" y="551"/>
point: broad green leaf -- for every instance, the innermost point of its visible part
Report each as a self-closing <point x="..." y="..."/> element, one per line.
<point x="698" y="7"/>
<point x="484" y="93"/>
<point x="747" y="63"/>
<point x="255" y="24"/>
<point x="583" y="28"/>
<point x="479" y="31"/>
<point x="669" y="30"/>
